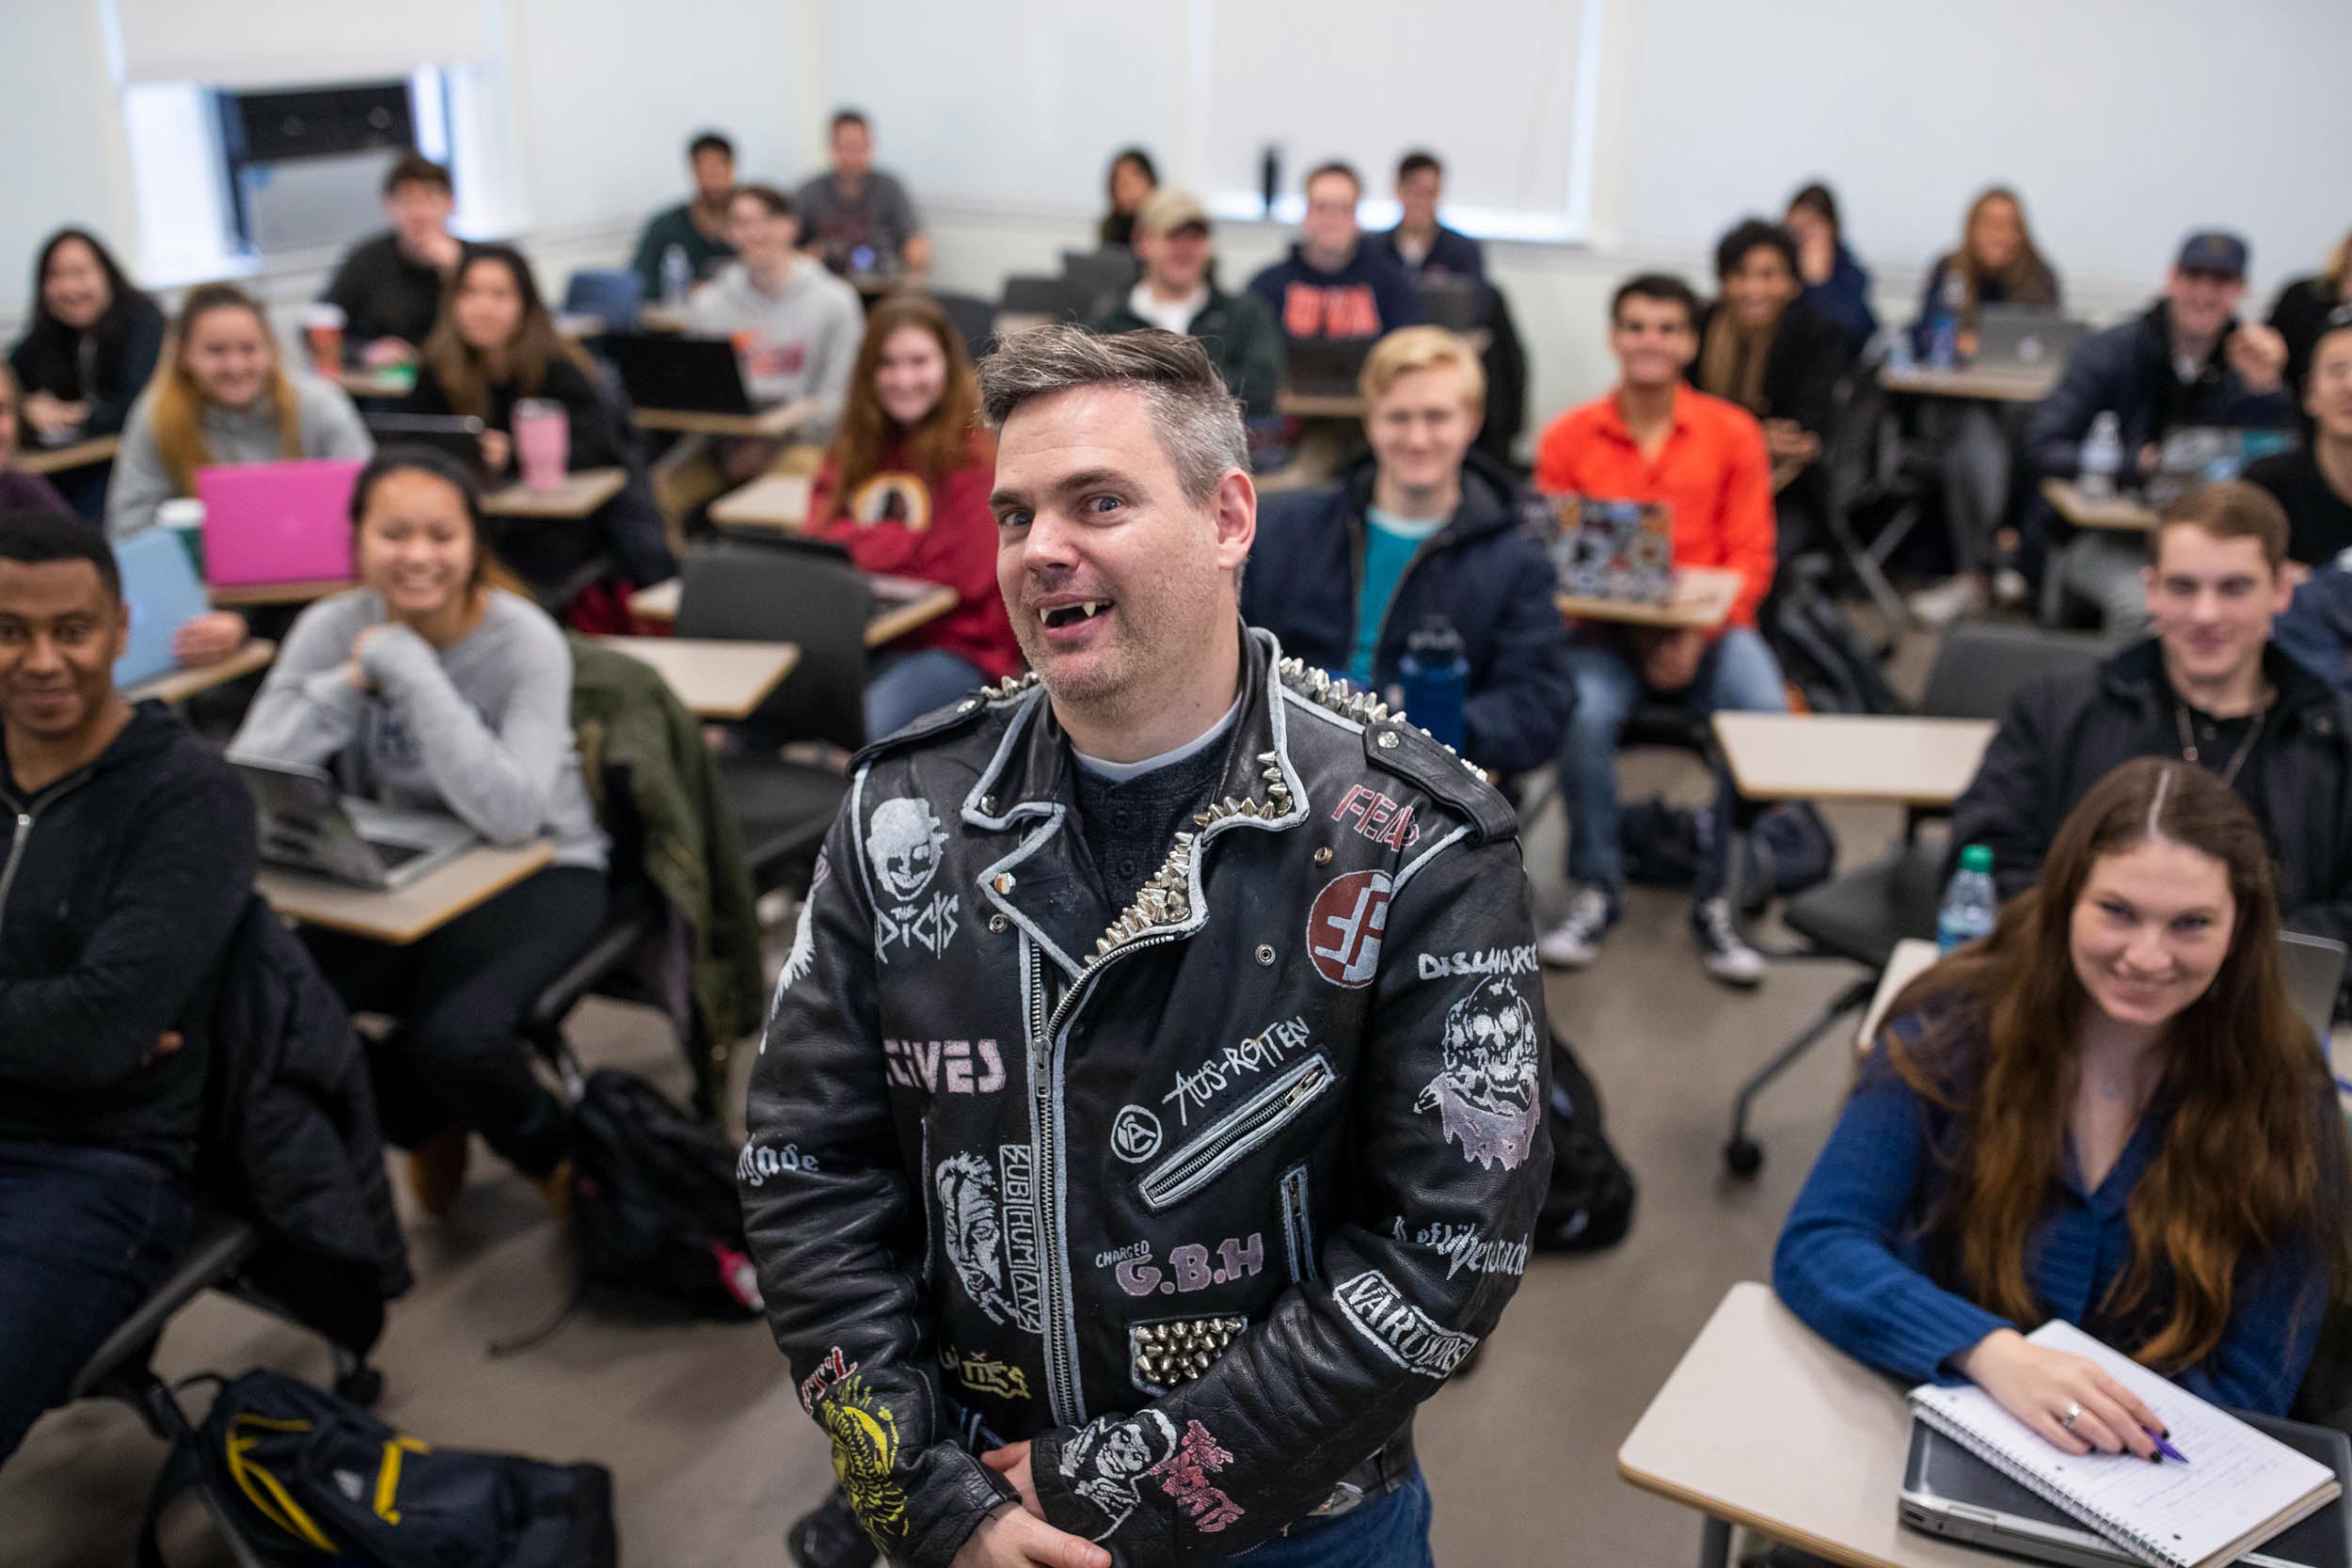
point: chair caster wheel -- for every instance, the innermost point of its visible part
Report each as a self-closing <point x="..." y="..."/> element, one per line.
<point x="362" y="1386"/>
<point x="1743" y="1158"/>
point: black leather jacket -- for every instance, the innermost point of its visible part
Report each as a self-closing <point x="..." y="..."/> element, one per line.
<point x="1205" y="1202"/>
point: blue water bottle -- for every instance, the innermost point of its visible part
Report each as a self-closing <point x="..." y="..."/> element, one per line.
<point x="678" y="277"/>
<point x="1436" y="679"/>
<point x="1944" y="325"/>
<point x="1969" y="902"/>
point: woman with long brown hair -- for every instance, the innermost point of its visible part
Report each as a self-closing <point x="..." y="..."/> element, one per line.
<point x="905" y="488"/>
<point x="2107" y="1112"/>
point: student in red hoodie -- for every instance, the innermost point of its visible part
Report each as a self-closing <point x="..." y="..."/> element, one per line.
<point x="905" y="487"/>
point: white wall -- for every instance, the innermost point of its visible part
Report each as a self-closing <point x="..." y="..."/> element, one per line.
<point x="62" y="143"/>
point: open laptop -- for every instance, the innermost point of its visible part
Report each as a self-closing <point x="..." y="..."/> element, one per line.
<point x="1949" y="1492"/>
<point x="687" y="375"/>
<point x="1456" y="304"/>
<point x="457" y="436"/>
<point x="277" y="522"/>
<point x="1327" y="367"/>
<point x="1058" y="298"/>
<point x="2025" y="337"/>
<point x="306" y="824"/>
<point x="162" y="594"/>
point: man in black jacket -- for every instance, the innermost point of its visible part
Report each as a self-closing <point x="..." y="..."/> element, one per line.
<point x="2187" y="361"/>
<point x="131" y="859"/>
<point x="1424" y="532"/>
<point x="1179" y="292"/>
<point x="2209" y="688"/>
<point x="388" y="286"/>
<point x="1168" y="876"/>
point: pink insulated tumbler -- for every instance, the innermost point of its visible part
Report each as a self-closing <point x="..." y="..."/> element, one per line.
<point x="542" y="442"/>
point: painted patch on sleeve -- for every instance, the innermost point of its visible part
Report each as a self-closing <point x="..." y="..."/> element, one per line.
<point x="1183" y="1475"/>
<point x="1344" y="927"/>
<point x="1400" y="1330"/>
<point x="865" y="1436"/>
<point x="1485" y="1091"/>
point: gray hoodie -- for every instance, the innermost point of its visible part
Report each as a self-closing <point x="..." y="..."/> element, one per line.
<point x="329" y="426"/>
<point x="798" y="342"/>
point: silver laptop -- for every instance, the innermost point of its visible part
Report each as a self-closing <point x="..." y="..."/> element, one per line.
<point x="1949" y="1492"/>
<point x="2025" y="337"/>
<point x="306" y="824"/>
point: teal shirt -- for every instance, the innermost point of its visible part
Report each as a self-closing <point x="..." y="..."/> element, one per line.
<point x="1389" y="546"/>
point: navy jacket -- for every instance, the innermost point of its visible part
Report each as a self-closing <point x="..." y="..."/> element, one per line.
<point x="1844" y="298"/>
<point x="2129" y="369"/>
<point x="1451" y="254"/>
<point x="2316" y="630"/>
<point x="1487" y="572"/>
<point x="1370" y="297"/>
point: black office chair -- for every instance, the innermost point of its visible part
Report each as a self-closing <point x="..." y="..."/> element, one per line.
<point x="1860" y="915"/>
<point x="975" y="320"/>
<point x="1056" y="298"/>
<point x="1099" y="273"/>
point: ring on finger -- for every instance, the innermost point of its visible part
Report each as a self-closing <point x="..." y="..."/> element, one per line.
<point x="2073" y="1412"/>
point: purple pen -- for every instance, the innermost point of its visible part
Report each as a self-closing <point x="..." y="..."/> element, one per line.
<point x="2166" y="1449"/>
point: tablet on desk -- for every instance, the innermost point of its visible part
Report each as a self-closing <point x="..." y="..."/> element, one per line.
<point x="161" y="589"/>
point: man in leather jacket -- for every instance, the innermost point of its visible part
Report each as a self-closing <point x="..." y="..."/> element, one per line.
<point x="1150" y="1113"/>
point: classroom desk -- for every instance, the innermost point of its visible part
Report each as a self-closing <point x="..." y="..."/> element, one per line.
<point x="276" y="593"/>
<point x="769" y="424"/>
<point x="400" y="915"/>
<point x="1890" y="758"/>
<point x="871" y="286"/>
<point x="715" y="679"/>
<point x="1983" y="386"/>
<point x="58" y="460"/>
<point x="1911" y="958"/>
<point x="1320" y="406"/>
<point x="653" y="316"/>
<point x="1701" y="601"/>
<point x="180" y="684"/>
<point x="579" y="494"/>
<point x="1763" y="1424"/>
<point x="2116" y="513"/>
<point x="901" y="605"/>
<point x="772" y="500"/>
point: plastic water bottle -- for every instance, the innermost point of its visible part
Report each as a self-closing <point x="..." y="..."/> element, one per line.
<point x="678" y="277"/>
<point x="2103" y="457"/>
<point x="1437" y="679"/>
<point x="1943" y="328"/>
<point x="1969" y="903"/>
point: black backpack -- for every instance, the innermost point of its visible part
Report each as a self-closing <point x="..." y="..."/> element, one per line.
<point x="306" y="1479"/>
<point x="1823" y="655"/>
<point x="654" y="1202"/>
<point x="1589" y="1203"/>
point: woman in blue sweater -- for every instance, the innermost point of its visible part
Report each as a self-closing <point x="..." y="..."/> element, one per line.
<point x="2105" y="1112"/>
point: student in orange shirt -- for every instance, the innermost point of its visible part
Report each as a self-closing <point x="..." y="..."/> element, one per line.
<point x="1653" y="439"/>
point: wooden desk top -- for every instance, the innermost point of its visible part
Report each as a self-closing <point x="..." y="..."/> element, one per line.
<point x="873" y="285"/>
<point x="579" y="494"/>
<point x="903" y="604"/>
<point x="656" y="601"/>
<point x="1849" y="756"/>
<point x="1320" y="406"/>
<point x="714" y="679"/>
<point x="1702" y="600"/>
<point x="1764" y="1425"/>
<point x="403" y="914"/>
<point x="2010" y="386"/>
<point x="276" y="592"/>
<point x="1911" y="958"/>
<point x="772" y="501"/>
<point x="180" y="684"/>
<point x="769" y="424"/>
<point x="57" y="460"/>
<point x="2120" y="513"/>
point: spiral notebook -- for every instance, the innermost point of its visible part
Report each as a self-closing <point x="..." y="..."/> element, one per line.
<point x="2239" y="1488"/>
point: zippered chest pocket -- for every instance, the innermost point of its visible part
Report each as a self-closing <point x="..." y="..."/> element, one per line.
<point x="1225" y="1142"/>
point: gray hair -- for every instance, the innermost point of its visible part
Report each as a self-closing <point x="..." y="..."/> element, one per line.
<point x="1198" y="420"/>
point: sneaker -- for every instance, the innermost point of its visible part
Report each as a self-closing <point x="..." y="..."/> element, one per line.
<point x="2010" y="587"/>
<point x="1576" y="941"/>
<point x="436" y="1170"/>
<point x="828" y="1536"/>
<point x="1935" y="607"/>
<point x="1721" y="950"/>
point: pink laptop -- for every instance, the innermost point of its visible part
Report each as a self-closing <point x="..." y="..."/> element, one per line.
<point x="277" y="522"/>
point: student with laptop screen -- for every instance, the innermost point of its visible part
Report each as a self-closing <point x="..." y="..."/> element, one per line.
<point x="132" y="861"/>
<point x="2313" y="481"/>
<point x="2186" y="361"/>
<point x="1333" y="284"/>
<point x="795" y="325"/>
<point x="389" y="287"/>
<point x="2106" y="1112"/>
<point x="860" y="220"/>
<point x="1654" y="439"/>
<point x="698" y="229"/>
<point x="1179" y="292"/>
<point x="431" y="686"/>
<point x="905" y="490"/>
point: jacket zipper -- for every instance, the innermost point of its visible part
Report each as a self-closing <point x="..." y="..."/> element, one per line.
<point x="1193" y="1167"/>
<point x="24" y="830"/>
<point x="1297" y="1226"/>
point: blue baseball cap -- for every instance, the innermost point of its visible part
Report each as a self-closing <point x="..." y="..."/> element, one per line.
<point x="2212" y="250"/>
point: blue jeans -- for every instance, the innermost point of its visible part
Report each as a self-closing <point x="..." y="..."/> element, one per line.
<point x="1739" y="675"/>
<point x="901" y="688"/>
<point x="85" y="1235"/>
<point x="1392" y="1532"/>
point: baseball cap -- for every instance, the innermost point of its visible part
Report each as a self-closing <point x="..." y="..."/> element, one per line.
<point x="2212" y="250"/>
<point x="1169" y="210"/>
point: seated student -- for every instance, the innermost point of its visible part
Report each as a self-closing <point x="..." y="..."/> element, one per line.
<point x="858" y="218"/>
<point x="1425" y="530"/>
<point x="389" y="287"/>
<point x="697" y="228"/>
<point x="1424" y="247"/>
<point x="2187" y="361"/>
<point x="1836" y="284"/>
<point x="905" y="487"/>
<point x="2209" y="688"/>
<point x="223" y="396"/>
<point x="796" y="326"/>
<point x="2305" y="303"/>
<point x="1132" y="180"/>
<point x="432" y="688"/>
<point x="1764" y="348"/>
<point x="2009" y="1155"/>
<point x="92" y="344"/>
<point x="1997" y="263"/>
<point x="495" y="344"/>
<point x="1654" y="439"/>
<point x="1179" y="292"/>
<point x="19" y="492"/>
<point x="2313" y="481"/>
<point x="133" y="862"/>
<point x="1333" y="284"/>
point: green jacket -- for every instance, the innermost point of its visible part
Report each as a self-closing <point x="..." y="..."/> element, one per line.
<point x="675" y="227"/>
<point x="1238" y="334"/>
<point x="626" y="717"/>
